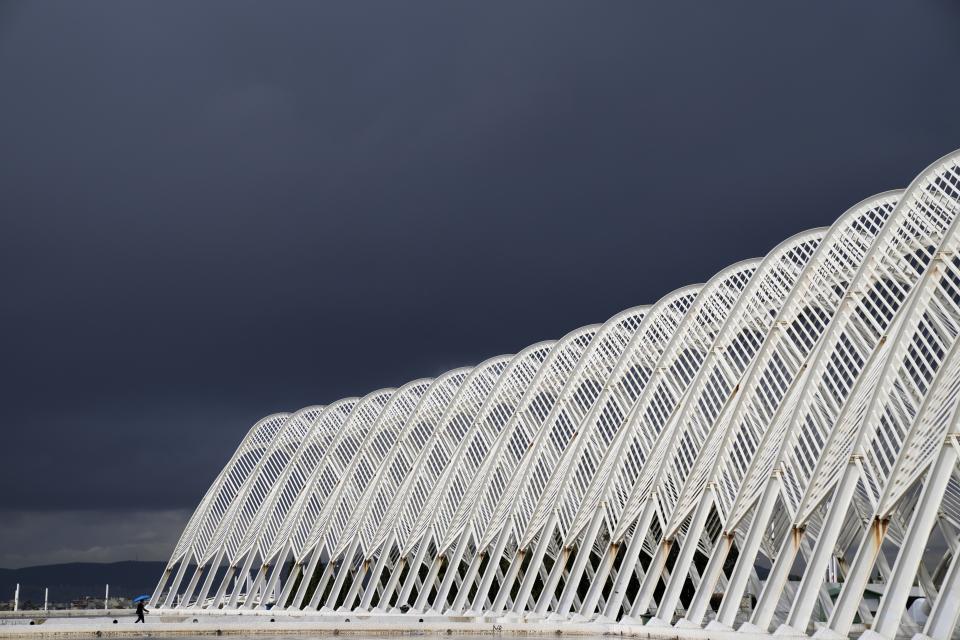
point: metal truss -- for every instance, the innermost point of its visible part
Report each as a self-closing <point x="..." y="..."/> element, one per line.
<point x="758" y="453"/>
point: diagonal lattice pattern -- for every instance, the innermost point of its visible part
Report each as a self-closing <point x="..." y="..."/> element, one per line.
<point x="756" y="453"/>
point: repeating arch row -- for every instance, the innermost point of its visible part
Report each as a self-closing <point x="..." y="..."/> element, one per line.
<point x="754" y="453"/>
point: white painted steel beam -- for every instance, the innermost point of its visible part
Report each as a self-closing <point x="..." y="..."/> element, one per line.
<point x="793" y="418"/>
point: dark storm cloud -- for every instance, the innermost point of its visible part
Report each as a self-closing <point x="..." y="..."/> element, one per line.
<point x="212" y="212"/>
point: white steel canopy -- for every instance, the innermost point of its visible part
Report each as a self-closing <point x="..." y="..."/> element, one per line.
<point x="760" y="452"/>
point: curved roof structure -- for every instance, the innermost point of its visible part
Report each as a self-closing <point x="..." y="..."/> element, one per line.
<point x="752" y="453"/>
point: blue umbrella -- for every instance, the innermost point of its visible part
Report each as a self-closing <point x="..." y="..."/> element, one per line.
<point x="146" y="596"/>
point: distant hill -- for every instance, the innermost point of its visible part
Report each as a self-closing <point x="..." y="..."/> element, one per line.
<point x="70" y="581"/>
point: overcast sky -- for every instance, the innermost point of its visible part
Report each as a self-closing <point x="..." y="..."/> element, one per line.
<point x="210" y="212"/>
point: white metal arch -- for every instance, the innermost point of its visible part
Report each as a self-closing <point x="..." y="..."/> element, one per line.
<point x="625" y="371"/>
<point x="657" y="489"/>
<point x="514" y="440"/>
<point x="431" y="465"/>
<point x="728" y="338"/>
<point x="602" y="352"/>
<point x="519" y="368"/>
<point x="799" y="412"/>
<point x="688" y="342"/>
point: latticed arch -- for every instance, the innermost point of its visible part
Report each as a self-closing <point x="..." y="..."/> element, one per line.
<point x="676" y="364"/>
<point x="725" y="331"/>
<point x="226" y="486"/>
<point x="753" y="453"/>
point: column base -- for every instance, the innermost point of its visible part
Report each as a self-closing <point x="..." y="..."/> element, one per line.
<point x="787" y="630"/>
<point x="657" y="622"/>
<point x="683" y="623"/>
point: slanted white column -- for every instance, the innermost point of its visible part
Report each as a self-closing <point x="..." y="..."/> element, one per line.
<point x="421" y="601"/>
<point x="307" y="578"/>
<point x="175" y="586"/>
<point x="701" y="597"/>
<point x="160" y="585"/>
<point x="530" y="576"/>
<point x="377" y="572"/>
<point x="504" y="591"/>
<point x="208" y="581"/>
<point x="651" y="578"/>
<point x="295" y="572"/>
<point x="589" y="605"/>
<point x="343" y="570"/>
<point x="580" y="563"/>
<point x="384" y="602"/>
<point x="740" y="577"/>
<point x="242" y="576"/>
<point x="464" y="591"/>
<point x="812" y="580"/>
<point x="192" y="585"/>
<point x="414" y="573"/>
<point x="321" y="585"/>
<point x="946" y="610"/>
<point x="224" y="585"/>
<point x="252" y="600"/>
<point x="630" y="558"/>
<point x="894" y="600"/>
<point x="776" y="579"/>
<point x="274" y="578"/>
<point x="356" y="585"/>
<point x="553" y="579"/>
<point x="491" y="570"/>
<point x="440" y="601"/>
<point x="681" y="568"/>
<point x="857" y="578"/>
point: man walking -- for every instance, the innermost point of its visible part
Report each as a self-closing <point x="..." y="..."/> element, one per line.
<point x="141" y="609"/>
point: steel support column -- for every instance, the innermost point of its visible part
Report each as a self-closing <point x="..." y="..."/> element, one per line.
<point x="894" y="600"/>
<point x="533" y="567"/>
<point x="630" y="558"/>
<point x="748" y="552"/>
<point x="453" y="567"/>
<point x="681" y="568"/>
<point x="809" y="590"/>
<point x="583" y="556"/>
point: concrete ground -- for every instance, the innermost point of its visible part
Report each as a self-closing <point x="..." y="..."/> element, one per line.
<point x="200" y="623"/>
